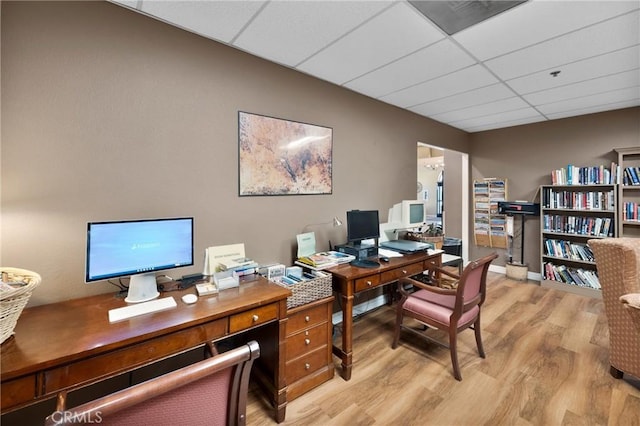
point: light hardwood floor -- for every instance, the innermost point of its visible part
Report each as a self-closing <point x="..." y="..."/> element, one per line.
<point x="546" y="364"/>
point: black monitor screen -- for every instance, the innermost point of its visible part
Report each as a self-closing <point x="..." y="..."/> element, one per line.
<point x="362" y="225"/>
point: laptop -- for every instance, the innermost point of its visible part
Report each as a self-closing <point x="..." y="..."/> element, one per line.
<point x="406" y="246"/>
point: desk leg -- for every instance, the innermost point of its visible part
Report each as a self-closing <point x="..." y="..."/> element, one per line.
<point x="346" y="352"/>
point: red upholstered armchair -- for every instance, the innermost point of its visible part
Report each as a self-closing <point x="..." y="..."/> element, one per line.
<point x="452" y="310"/>
<point x="618" y="264"/>
<point x="209" y="392"/>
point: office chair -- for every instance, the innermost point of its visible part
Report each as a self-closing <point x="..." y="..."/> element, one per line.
<point x="209" y="392"/>
<point x="446" y="309"/>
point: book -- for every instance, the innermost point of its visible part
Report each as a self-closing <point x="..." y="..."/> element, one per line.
<point x="238" y="263"/>
<point x="205" y="289"/>
<point x="324" y="259"/>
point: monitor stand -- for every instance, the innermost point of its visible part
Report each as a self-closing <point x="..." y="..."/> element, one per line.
<point x="142" y="287"/>
<point x="364" y="263"/>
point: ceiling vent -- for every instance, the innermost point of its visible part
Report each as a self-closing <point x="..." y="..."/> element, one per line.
<point x="455" y="16"/>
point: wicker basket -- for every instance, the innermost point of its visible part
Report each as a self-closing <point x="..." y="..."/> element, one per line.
<point x="308" y="291"/>
<point x="13" y="301"/>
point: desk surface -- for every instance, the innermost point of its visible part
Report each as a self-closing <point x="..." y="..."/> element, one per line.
<point x="58" y="335"/>
<point x="349" y="272"/>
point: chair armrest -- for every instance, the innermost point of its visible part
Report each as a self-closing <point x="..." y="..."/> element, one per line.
<point x="434" y="268"/>
<point x="423" y="286"/>
<point x="632" y="300"/>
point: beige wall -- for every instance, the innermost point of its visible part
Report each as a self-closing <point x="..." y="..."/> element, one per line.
<point x="526" y="155"/>
<point x="110" y="115"/>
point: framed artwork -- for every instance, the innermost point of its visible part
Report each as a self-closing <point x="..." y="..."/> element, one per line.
<point x="283" y="157"/>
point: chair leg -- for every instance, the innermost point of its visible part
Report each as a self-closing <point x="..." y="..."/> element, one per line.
<point x="453" y="347"/>
<point x="476" y="329"/>
<point x="615" y="373"/>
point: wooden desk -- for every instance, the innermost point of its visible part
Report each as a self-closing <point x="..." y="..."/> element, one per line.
<point x="349" y="280"/>
<point x="70" y="344"/>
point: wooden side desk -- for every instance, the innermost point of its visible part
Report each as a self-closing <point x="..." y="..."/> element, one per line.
<point x="66" y="345"/>
<point x="349" y="280"/>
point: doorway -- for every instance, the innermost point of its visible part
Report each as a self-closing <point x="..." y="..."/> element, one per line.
<point x="443" y="185"/>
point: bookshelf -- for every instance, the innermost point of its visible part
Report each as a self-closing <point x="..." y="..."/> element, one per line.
<point x="489" y="227"/>
<point x="571" y="215"/>
<point x="629" y="192"/>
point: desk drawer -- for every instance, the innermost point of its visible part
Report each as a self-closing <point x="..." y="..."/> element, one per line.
<point x="367" y="282"/>
<point x="306" y="364"/>
<point x="405" y="271"/>
<point x="253" y="318"/>
<point x="307" y="341"/>
<point x="306" y="318"/>
<point x="110" y="364"/>
<point x="18" y="391"/>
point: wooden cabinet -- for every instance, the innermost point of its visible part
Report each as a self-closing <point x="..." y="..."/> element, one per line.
<point x="629" y="192"/>
<point x="309" y="361"/>
<point x="570" y="216"/>
<point x="489" y="227"/>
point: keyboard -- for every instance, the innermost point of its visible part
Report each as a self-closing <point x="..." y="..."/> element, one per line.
<point x="137" y="309"/>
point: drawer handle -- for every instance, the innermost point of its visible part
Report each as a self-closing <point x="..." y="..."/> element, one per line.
<point x="307" y="366"/>
<point x="307" y="341"/>
<point x="369" y="283"/>
<point x="255" y="318"/>
<point x="307" y="319"/>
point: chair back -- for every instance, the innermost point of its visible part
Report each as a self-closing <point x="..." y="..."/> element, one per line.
<point x="472" y="286"/>
<point x="617" y="263"/>
<point x="209" y="392"/>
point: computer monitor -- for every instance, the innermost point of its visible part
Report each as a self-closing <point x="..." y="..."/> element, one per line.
<point x="362" y="225"/>
<point x="138" y="248"/>
<point x="407" y="214"/>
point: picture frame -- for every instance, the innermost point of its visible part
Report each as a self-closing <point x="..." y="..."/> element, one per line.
<point x="283" y="157"/>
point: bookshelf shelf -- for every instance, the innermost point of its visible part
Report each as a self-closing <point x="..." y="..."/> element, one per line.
<point x="629" y="192"/>
<point x="570" y="216"/>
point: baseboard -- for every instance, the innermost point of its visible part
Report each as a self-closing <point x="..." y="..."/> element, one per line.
<point x="533" y="276"/>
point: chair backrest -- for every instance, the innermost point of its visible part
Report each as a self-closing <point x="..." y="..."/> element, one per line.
<point x="209" y="392"/>
<point x="617" y="263"/>
<point x="472" y="286"/>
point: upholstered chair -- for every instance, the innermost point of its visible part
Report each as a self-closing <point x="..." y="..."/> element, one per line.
<point x="451" y="309"/>
<point x="209" y="392"/>
<point x="618" y="264"/>
<point x="631" y="303"/>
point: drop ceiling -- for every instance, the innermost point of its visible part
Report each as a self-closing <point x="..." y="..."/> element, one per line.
<point x="539" y="60"/>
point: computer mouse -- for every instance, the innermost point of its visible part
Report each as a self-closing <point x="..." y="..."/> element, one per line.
<point x="384" y="259"/>
<point x="189" y="298"/>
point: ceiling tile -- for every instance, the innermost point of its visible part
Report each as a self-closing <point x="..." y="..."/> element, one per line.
<point x="608" y="83"/>
<point x="607" y="64"/>
<point x="196" y="16"/>
<point x="618" y="33"/>
<point x="593" y="109"/>
<point x="433" y="61"/>
<point x="464" y="100"/>
<point x="615" y="96"/>
<point x="534" y="22"/>
<point x="451" y="84"/>
<point x="487" y="109"/>
<point x="503" y="124"/>
<point x="393" y="34"/>
<point x="289" y="32"/>
<point x="528" y="114"/>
